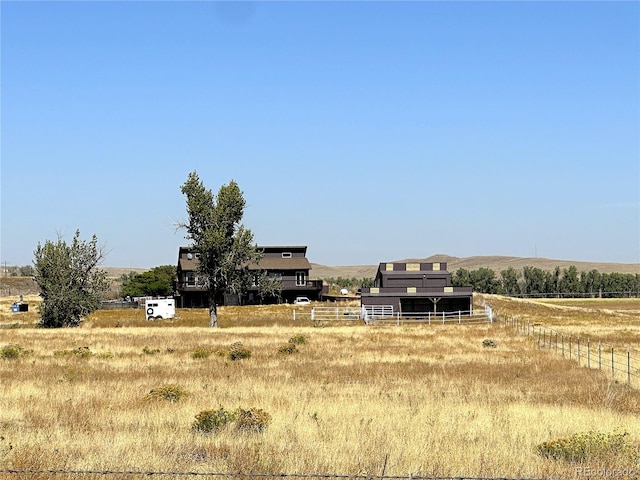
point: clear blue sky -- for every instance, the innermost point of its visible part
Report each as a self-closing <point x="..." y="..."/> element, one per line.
<point x="369" y="131"/>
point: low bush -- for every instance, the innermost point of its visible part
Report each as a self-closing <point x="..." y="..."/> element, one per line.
<point x="238" y="352"/>
<point x="169" y="392"/>
<point x="298" y="339"/>
<point x="150" y="351"/>
<point x="82" y="352"/>
<point x="212" y="421"/>
<point x="288" y="349"/>
<point x="252" y="420"/>
<point x="201" y="352"/>
<point x="489" y="343"/>
<point x="12" y="351"/>
<point x="591" y="446"/>
<point x="5" y="447"/>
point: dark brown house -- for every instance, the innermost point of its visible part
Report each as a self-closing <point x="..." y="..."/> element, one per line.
<point x="288" y="264"/>
<point x="416" y="288"/>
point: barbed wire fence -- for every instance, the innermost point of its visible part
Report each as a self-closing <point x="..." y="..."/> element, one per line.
<point x="240" y="475"/>
<point x="623" y="363"/>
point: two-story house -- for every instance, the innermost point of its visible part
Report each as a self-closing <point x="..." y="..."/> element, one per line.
<point x="416" y="288"/>
<point x="287" y="264"/>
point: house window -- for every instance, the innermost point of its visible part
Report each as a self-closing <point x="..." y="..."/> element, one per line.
<point x="190" y="279"/>
<point x="277" y="276"/>
<point x="255" y="281"/>
<point x="413" y="267"/>
<point x="301" y="279"/>
<point x="286" y="254"/>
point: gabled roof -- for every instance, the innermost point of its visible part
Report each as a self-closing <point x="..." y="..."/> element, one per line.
<point x="187" y="265"/>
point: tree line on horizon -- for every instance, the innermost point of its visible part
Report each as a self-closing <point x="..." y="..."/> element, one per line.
<point x="534" y="281"/>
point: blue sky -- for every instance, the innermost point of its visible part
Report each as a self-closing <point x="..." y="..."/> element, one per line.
<point x="369" y="131"/>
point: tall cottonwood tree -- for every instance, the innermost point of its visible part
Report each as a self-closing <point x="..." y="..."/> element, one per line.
<point x="71" y="284"/>
<point x="224" y="245"/>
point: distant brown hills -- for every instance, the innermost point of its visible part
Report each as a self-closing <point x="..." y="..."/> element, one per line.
<point x="495" y="263"/>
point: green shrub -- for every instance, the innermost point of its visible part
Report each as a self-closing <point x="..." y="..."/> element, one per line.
<point x="298" y="339"/>
<point x="12" y="351"/>
<point x="212" y="421"/>
<point x="169" y="392"/>
<point x="238" y="352"/>
<point x="201" y="352"/>
<point x="252" y="420"/>
<point x="585" y="446"/>
<point x="288" y="349"/>
<point x="150" y="351"/>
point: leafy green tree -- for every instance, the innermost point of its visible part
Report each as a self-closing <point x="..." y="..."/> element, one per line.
<point x="157" y="282"/>
<point x="71" y="284"/>
<point x="226" y="247"/>
<point x="26" y="271"/>
<point x="352" y="283"/>
<point x="484" y="280"/>
<point x="366" y="282"/>
<point x="461" y="278"/>
<point x="553" y="286"/>
<point x="570" y="283"/>
<point x="269" y="287"/>
<point x="510" y="281"/>
<point x="591" y="282"/>
<point x="535" y="280"/>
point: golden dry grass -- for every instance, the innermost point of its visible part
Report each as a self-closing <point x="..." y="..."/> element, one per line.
<point x="421" y="400"/>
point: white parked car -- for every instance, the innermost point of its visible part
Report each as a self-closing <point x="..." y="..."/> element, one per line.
<point x="302" y="301"/>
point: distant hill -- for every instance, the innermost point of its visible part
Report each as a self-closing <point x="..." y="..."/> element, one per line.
<point x="495" y="263"/>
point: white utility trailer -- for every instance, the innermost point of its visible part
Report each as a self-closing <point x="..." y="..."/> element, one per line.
<point x="159" y="308"/>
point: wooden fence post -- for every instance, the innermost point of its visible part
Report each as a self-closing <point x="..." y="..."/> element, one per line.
<point x="588" y="353"/>
<point x="578" y="350"/>
<point x="570" y="348"/>
<point x="613" y="367"/>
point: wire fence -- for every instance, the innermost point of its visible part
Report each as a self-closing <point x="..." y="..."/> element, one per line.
<point x="623" y="363"/>
<point x="240" y="475"/>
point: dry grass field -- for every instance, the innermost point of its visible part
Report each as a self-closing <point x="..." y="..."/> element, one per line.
<point x="352" y="399"/>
